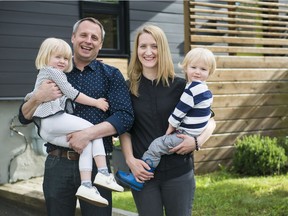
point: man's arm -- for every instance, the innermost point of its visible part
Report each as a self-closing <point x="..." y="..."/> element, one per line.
<point x="120" y="120"/>
<point x="46" y="92"/>
<point x="80" y="139"/>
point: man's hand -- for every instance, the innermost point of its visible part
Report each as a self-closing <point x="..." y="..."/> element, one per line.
<point x="78" y="140"/>
<point x="47" y="91"/>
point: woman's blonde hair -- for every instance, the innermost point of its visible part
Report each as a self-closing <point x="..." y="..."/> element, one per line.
<point x="165" y="64"/>
<point x="50" y="46"/>
<point x="196" y="55"/>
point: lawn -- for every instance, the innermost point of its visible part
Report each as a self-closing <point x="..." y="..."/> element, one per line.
<point x="222" y="194"/>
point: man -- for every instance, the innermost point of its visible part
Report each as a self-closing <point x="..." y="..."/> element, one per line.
<point x="61" y="176"/>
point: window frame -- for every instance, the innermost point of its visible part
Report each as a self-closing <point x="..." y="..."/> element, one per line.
<point x="122" y="13"/>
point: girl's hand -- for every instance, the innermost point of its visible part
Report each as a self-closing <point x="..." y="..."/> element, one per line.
<point x="102" y="104"/>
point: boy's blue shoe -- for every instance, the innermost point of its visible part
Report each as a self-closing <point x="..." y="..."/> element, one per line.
<point x="129" y="180"/>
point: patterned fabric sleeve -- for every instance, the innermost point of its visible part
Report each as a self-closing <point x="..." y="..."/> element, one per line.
<point x="122" y="115"/>
<point x="61" y="81"/>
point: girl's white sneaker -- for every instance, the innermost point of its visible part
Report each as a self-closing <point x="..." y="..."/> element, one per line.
<point x="108" y="182"/>
<point x="91" y="195"/>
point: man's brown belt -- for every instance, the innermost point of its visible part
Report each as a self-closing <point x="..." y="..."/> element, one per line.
<point x="70" y="155"/>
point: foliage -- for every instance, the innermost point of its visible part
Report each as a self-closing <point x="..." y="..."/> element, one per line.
<point x="283" y="142"/>
<point x="258" y="155"/>
<point x="116" y="142"/>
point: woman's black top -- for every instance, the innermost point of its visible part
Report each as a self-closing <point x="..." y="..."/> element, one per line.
<point x="152" y="109"/>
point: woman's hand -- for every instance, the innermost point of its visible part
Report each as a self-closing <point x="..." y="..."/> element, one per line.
<point x="186" y="147"/>
<point x="139" y="169"/>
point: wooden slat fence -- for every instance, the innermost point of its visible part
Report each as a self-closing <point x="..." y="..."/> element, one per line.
<point x="120" y="63"/>
<point x="250" y="41"/>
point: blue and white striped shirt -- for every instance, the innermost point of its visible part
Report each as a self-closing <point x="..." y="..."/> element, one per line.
<point x="192" y="112"/>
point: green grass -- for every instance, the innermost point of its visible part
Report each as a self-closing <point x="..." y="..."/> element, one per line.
<point x="222" y="193"/>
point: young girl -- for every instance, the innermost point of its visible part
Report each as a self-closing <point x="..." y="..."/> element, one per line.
<point x="54" y="119"/>
<point x="190" y="116"/>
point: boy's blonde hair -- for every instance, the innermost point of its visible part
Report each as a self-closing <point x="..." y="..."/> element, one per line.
<point x="50" y="46"/>
<point x="165" y="64"/>
<point x="199" y="54"/>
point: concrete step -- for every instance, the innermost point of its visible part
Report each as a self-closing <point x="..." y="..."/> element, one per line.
<point x="29" y="193"/>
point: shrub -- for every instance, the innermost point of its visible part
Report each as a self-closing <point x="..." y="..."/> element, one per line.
<point x="283" y="142"/>
<point x="258" y="155"/>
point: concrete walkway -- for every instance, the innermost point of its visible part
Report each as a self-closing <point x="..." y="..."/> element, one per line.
<point x="29" y="193"/>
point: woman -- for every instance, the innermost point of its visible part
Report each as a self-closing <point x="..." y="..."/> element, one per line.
<point x="155" y="91"/>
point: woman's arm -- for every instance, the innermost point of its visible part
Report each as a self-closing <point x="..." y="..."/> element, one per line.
<point x="138" y="167"/>
<point x="206" y="134"/>
<point x="188" y="145"/>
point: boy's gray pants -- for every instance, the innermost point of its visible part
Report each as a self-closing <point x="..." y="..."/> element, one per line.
<point x="161" y="146"/>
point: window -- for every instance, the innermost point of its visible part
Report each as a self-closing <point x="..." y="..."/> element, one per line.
<point x="113" y="14"/>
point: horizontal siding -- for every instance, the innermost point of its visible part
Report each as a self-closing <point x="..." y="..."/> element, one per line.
<point x="24" y="77"/>
<point x="17" y="29"/>
<point x="171" y="7"/>
<point x="24" y="25"/>
<point x="156" y="17"/>
<point x="167" y="27"/>
<point x="44" y="7"/>
<point x="168" y="15"/>
<point x="20" y="41"/>
<point x="29" y="17"/>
